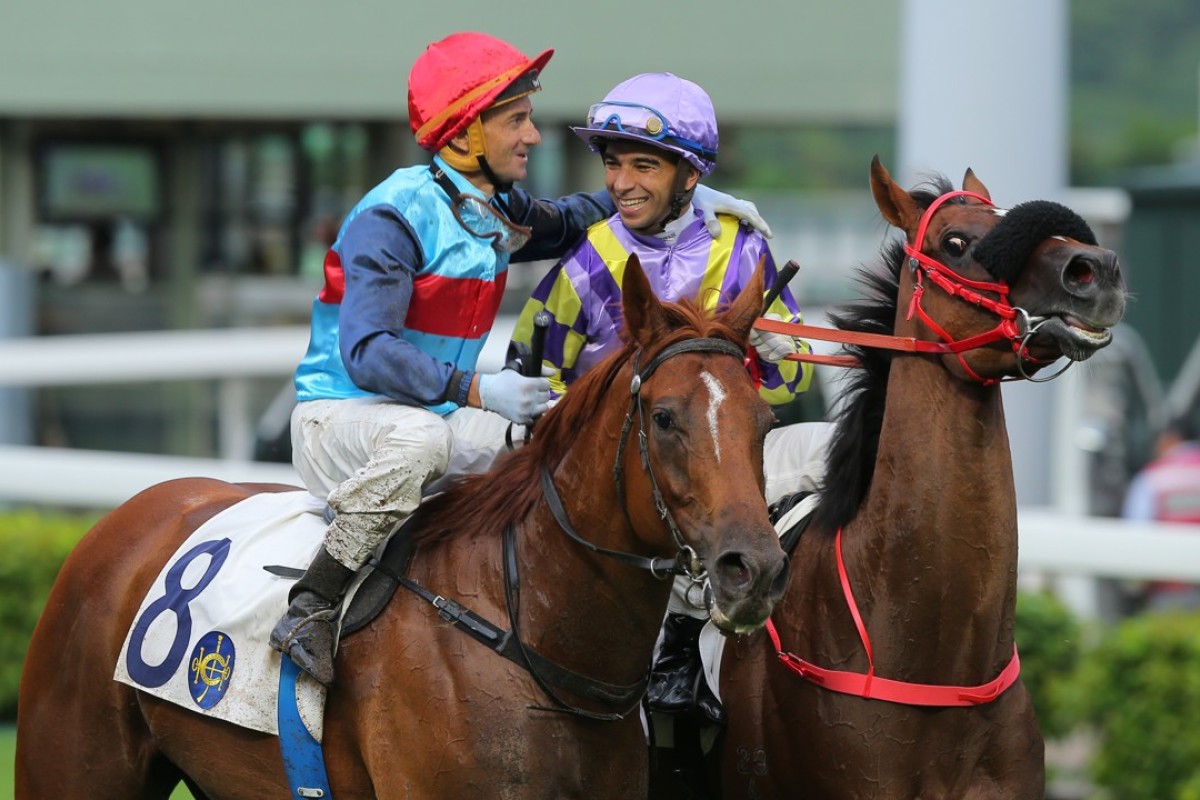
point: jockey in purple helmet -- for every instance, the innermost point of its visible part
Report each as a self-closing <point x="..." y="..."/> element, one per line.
<point x="657" y="136"/>
<point x="667" y="113"/>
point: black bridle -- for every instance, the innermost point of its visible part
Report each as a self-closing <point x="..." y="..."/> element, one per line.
<point x="546" y="673"/>
<point x="686" y="561"/>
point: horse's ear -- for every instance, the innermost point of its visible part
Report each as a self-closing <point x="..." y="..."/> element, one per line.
<point x="973" y="184"/>
<point x="747" y="306"/>
<point x="897" y="207"/>
<point x="644" y="317"/>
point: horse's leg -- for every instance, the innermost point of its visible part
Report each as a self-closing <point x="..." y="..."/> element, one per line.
<point x="80" y="754"/>
<point x="222" y="760"/>
<point x="1013" y="761"/>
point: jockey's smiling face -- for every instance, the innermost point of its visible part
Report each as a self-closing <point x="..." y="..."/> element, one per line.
<point x="641" y="179"/>
<point x="510" y="135"/>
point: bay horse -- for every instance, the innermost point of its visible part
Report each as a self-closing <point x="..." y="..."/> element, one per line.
<point x="891" y="671"/>
<point x="657" y="450"/>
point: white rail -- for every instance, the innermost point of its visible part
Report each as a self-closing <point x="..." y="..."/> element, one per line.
<point x="1053" y="542"/>
<point x="102" y="480"/>
<point x="161" y="355"/>
<point x="1050" y="541"/>
<point x="1068" y="544"/>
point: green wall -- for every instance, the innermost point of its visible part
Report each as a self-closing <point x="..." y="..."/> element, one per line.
<point x="1161" y="258"/>
<point x="762" y="60"/>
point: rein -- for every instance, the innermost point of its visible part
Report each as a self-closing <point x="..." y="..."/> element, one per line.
<point x="508" y="643"/>
<point x="871" y="687"/>
<point x="1015" y="325"/>
<point x="546" y="673"/>
<point x="658" y="567"/>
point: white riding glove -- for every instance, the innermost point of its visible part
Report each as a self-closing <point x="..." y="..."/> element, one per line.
<point x="774" y="347"/>
<point x="710" y="202"/>
<point x="515" y="397"/>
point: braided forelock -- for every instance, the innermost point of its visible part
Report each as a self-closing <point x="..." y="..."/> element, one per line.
<point x="1009" y="245"/>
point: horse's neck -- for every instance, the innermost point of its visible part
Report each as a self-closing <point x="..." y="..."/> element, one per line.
<point x="594" y="608"/>
<point x="937" y="534"/>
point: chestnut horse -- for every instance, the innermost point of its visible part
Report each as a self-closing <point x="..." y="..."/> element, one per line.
<point x="894" y="672"/>
<point x="656" y="451"/>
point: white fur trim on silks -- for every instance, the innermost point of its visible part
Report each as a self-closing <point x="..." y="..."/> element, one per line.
<point x="199" y="639"/>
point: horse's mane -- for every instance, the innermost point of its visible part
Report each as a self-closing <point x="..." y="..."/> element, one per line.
<point x="510" y="491"/>
<point x="855" y="444"/>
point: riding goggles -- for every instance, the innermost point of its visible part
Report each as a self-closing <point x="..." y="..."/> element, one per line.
<point x="641" y="120"/>
<point x="481" y="219"/>
<point x="484" y="221"/>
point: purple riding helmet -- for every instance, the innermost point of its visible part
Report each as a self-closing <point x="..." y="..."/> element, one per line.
<point x="659" y="109"/>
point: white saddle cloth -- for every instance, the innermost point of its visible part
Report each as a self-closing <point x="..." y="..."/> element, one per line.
<point x="199" y="639"/>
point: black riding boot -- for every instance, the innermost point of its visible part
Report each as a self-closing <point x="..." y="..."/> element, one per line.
<point x="308" y="631"/>
<point x="677" y="684"/>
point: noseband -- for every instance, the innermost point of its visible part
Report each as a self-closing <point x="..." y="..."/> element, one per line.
<point x="686" y="561"/>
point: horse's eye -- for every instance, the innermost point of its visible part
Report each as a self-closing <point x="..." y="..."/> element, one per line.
<point x="663" y="420"/>
<point x="954" y="245"/>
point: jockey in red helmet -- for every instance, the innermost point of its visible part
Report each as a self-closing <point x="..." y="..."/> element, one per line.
<point x="454" y="82"/>
<point x="389" y="397"/>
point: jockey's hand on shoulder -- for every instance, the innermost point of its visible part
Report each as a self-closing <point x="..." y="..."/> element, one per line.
<point x="710" y="202"/>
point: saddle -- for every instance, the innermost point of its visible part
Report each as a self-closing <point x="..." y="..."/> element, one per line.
<point x="378" y="587"/>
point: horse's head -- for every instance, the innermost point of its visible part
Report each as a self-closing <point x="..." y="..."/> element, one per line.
<point x="1036" y="285"/>
<point x="692" y="458"/>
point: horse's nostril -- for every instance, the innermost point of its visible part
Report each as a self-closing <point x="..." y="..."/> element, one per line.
<point x="1080" y="272"/>
<point x="735" y="570"/>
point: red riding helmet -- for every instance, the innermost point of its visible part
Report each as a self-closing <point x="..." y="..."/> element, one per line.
<point x="458" y="77"/>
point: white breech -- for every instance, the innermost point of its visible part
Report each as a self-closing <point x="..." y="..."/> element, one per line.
<point x="372" y="459"/>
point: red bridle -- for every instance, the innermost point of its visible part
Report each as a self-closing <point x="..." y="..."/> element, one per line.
<point x="868" y="684"/>
<point x="1014" y="326"/>
<point x="956" y="285"/>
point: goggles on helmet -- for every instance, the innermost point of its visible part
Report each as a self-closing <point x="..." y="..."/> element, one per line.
<point x="643" y="121"/>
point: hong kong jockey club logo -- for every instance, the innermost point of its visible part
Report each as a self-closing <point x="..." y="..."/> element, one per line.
<point x="210" y="667"/>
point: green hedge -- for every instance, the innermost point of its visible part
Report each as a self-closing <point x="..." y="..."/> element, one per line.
<point x="1135" y="685"/>
<point x="33" y="546"/>
<point x="1048" y="639"/>
<point x="1139" y="687"/>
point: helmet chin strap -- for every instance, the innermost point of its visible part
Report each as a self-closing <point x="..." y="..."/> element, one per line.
<point x="476" y="157"/>
<point x="502" y="187"/>
<point x="680" y="194"/>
